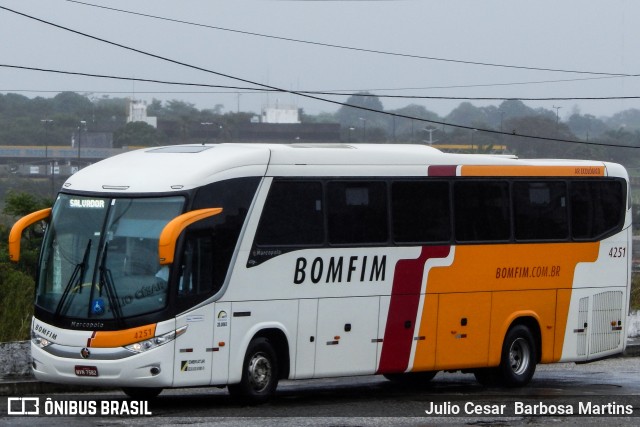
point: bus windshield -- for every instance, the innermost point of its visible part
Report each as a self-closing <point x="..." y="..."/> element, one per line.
<point x="100" y="257"/>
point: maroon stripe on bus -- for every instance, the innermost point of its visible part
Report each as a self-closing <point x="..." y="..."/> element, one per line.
<point x="440" y="170"/>
<point x="403" y="309"/>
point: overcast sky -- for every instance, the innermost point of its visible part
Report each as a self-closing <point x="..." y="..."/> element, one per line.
<point x="573" y="35"/>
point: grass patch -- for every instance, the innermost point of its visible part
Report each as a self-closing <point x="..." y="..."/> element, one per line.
<point x="16" y="304"/>
<point x="635" y="292"/>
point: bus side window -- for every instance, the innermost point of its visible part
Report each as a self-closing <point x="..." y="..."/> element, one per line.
<point x="198" y="267"/>
<point x="482" y="211"/>
<point x="421" y="211"/>
<point x="292" y="215"/>
<point x="210" y="244"/>
<point x="540" y="210"/>
<point x="357" y="212"/>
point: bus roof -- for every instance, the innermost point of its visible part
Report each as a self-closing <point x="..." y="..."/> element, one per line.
<point x="181" y="167"/>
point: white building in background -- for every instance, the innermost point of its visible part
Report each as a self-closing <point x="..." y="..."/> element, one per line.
<point x="280" y="114"/>
<point x="138" y="113"/>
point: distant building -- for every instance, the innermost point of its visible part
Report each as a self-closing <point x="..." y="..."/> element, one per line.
<point x="280" y="114"/>
<point x="289" y="132"/>
<point x="138" y="113"/>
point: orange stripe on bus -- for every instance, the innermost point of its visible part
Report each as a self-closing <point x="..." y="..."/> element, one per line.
<point x="485" y="289"/>
<point x="110" y="339"/>
<point x="492" y="170"/>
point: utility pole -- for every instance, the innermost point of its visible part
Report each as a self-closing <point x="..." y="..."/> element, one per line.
<point x="83" y="123"/>
<point x="430" y="130"/>
<point x="364" y="129"/>
<point x="501" y="131"/>
<point x="557" y="116"/>
<point x="47" y="124"/>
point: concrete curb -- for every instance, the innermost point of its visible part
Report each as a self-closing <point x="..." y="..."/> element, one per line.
<point x="633" y="348"/>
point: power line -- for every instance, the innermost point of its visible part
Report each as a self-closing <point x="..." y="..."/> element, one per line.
<point x="124" y="92"/>
<point x="352" y="48"/>
<point x="459" y="86"/>
<point x="136" y="79"/>
<point x="329" y="92"/>
<point x="606" y="76"/>
<point x="198" y="68"/>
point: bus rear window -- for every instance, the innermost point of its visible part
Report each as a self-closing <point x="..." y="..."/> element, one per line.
<point x="597" y="207"/>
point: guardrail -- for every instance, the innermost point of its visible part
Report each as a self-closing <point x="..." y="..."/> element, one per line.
<point x="60" y="153"/>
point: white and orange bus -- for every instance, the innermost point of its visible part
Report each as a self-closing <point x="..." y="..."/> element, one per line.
<point x="241" y="265"/>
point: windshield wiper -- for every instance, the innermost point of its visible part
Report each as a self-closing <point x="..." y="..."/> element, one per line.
<point x="77" y="278"/>
<point x="106" y="283"/>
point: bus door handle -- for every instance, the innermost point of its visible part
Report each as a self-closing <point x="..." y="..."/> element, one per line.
<point x="580" y="330"/>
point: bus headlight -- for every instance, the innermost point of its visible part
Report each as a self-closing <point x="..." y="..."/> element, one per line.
<point x="41" y="342"/>
<point x="154" y="342"/>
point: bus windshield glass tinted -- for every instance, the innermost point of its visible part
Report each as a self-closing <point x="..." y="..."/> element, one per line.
<point x="100" y="257"/>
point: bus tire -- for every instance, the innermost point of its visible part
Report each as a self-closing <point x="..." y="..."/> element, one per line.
<point x="259" y="373"/>
<point x="142" y="393"/>
<point x="519" y="356"/>
<point x="412" y="378"/>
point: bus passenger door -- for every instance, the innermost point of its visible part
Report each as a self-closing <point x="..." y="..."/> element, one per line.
<point x="220" y="349"/>
<point x="347" y="336"/>
<point x="192" y="364"/>
<point x="463" y="330"/>
<point x="307" y="339"/>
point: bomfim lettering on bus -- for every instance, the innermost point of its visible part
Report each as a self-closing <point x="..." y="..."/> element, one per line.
<point x="357" y="268"/>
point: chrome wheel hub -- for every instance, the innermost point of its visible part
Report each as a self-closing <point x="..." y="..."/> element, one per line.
<point x="519" y="356"/>
<point x="259" y="372"/>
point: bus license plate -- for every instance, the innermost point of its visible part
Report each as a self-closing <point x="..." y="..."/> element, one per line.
<point x="86" y="371"/>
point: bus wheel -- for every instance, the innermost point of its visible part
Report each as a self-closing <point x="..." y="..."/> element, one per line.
<point x="411" y="378"/>
<point x="259" y="373"/>
<point x="142" y="393"/>
<point x="519" y="356"/>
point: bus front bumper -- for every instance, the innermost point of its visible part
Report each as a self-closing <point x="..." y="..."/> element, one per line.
<point x="113" y="367"/>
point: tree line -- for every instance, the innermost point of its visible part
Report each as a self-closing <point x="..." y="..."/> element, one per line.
<point x="52" y="121"/>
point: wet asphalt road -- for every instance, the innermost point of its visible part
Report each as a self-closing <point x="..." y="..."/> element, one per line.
<point x="612" y="384"/>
